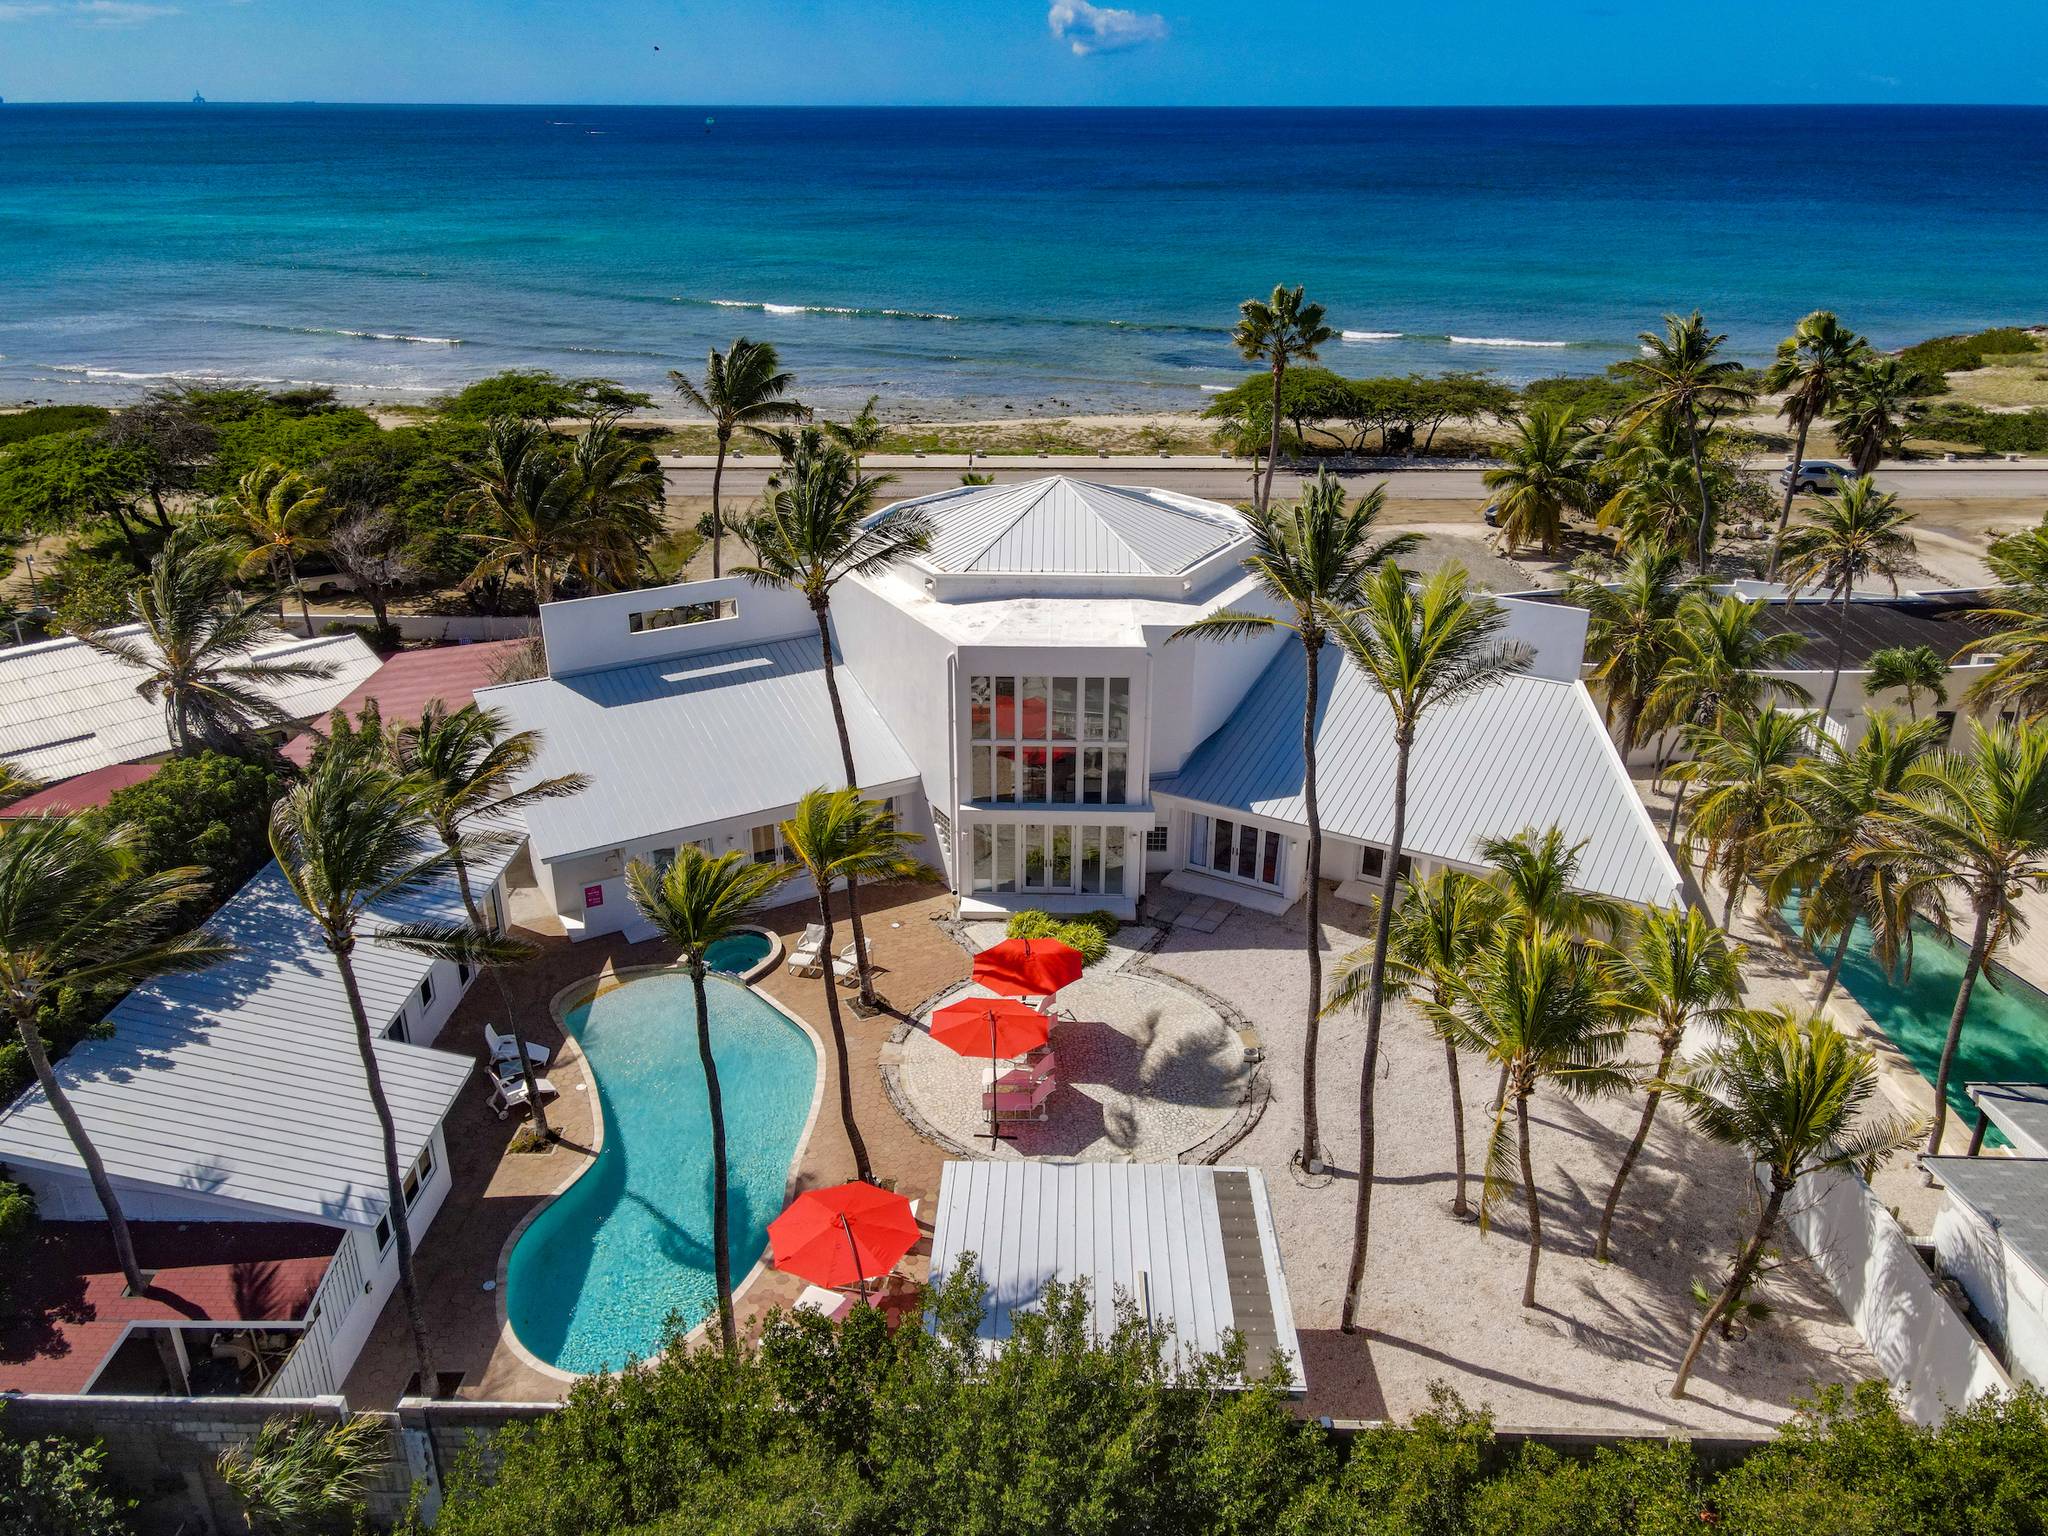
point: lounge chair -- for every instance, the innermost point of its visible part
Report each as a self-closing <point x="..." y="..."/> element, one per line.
<point x="505" y="1048"/>
<point x="803" y="955"/>
<point x="828" y="1304"/>
<point x="508" y="1092"/>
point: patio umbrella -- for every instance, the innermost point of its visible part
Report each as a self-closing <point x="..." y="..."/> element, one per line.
<point x="846" y="1235"/>
<point x="1028" y="967"/>
<point x="995" y="1026"/>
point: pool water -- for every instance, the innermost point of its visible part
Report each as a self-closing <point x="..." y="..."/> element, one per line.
<point x="740" y="953"/>
<point x="591" y="1281"/>
<point x="2005" y="1033"/>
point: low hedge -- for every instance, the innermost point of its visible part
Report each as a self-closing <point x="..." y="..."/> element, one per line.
<point x="1959" y="354"/>
<point x="1994" y="431"/>
<point x="1089" y="932"/>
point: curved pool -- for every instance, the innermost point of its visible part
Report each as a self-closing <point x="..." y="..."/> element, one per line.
<point x="593" y="1277"/>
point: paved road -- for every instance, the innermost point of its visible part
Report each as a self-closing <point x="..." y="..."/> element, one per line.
<point x="1220" y="480"/>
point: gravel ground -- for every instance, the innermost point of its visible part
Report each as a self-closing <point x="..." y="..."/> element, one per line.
<point x="1441" y="1299"/>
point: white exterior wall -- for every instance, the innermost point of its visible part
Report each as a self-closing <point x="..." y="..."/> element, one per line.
<point x="2008" y="1293"/>
<point x="586" y="633"/>
<point x="902" y="666"/>
<point x="1197" y="684"/>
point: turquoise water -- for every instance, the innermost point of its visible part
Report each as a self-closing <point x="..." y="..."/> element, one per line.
<point x="593" y="1278"/>
<point x="2005" y="1033"/>
<point x="740" y="953"/>
<point x="1065" y="258"/>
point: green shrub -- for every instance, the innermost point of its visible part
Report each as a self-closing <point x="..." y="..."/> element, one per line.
<point x="535" y="394"/>
<point x="1089" y="933"/>
<point x="17" y="1221"/>
<point x="212" y="811"/>
<point x="88" y="588"/>
<point x="1994" y="431"/>
<point x="1959" y="354"/>
<point x="41" y="420"/>
<point x="53" y="1487"/>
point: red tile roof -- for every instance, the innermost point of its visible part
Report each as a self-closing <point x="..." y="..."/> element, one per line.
<point x="83" y="793"/>
<point x="404" y="684"/>
<point x="66" y="1310"/>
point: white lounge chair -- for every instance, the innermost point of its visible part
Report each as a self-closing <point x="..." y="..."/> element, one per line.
<point x="828" y="1304"/>
<point x="505" y="1048"/>
<point x="803" y="955"/>
<point x="508" y="1089"/>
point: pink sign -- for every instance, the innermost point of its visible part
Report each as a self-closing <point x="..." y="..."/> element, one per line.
<point x="593" y="896"/>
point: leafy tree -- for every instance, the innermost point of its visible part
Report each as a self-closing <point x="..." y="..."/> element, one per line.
<point x="695" y="902"/>
<point x="1601" y="400"/>
<point x="55" y="1487"/>
<point x="1793" y="1095"/>
<point x="1686" y="380"/>
<point x="743" y="386"/>
<point x="1632" y="633"/>
<point x="275" y="516"/>
<point x="1278" y="331"/>
<point x="1858" y="533"/>
<point x="90" y="587"/>
<point x="2018" y="679"/>
<point x="70" y="482"/>
<point x="370" y="548"/>
<point x="1544" y="477"/>
<point x="1813" y="365"/>
<point x="301" y="1474"/>
<point x="1744" y="763"/>
<point x="210" y="812"/>
<point x="1421" y="647"/>
<point x="171" y="444"/>
<point x="537" y="395"/>
<point x="1312" y="561"/>
<point x="1881" y="403"/>
<point x="290" y="439"/>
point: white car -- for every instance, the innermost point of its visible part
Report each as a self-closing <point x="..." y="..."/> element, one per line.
<point x="1815" y="475"/>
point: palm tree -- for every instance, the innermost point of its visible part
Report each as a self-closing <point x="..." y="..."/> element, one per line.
<point x="1421" y="647"/>
<point x="744" y="386"/>
<point x="1531" y="1003"/>
<point x="1443" y="921"/>
<point x="1915" y="668"/>
<point x="1881" y="402"/>
<point x="2018" y="679"/>
<point x="15" y="782"/>
<point x="75" y="914"/>
<point x="1723" y="663"/>
<point x="836" y="835"/>
<point x="695" y="902"/>
<point x="1536" y="875"/>
<point x="1812" y="365"/>
<point x="1678" y="968"/>
<point x="1657" y="500"/>
<point x="299" y="1473"/>
<point x="1545" y="475"/>
<point x="1744" y="764"/>
<point x="1278" y="331"/>
<point x="816" y="529"/>
<point x="528" y="499"/>
<point x="350" y="836"/>
<point x="1858" y="533"/>
<point x="1834" y="794"/>
<point x="862" y="434"/>
<point x="1312" y="561"/>
<point x="1684" y="379"/>
<point x="195" y="652"/>
<point x="1632" y="632"/>
<point x="1973" y="832"/>
<point x="619" y="488"/>
<point x="1791" y="1095"/>
<point x="472" y="779"/>
<point x="277" y="515"/>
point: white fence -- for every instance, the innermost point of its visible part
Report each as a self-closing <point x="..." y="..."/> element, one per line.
<point x="442" y="628"/>
<point x="310" y="1371"/>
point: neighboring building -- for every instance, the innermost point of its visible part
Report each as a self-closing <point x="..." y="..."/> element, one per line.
<point x="1992" y="1236"/>
<point x="87" y="792"/>
<point x="1190" y="1248"/>
<point x="66" y="709"/>
<point x="407" y="682"/>
<point x="1018" y="693"/>
<point x="2020" y="1111"/>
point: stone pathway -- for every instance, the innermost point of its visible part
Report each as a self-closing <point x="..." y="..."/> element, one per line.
<point x="1184" y="909"/>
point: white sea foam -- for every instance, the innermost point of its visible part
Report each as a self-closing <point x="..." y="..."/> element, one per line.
<point x="425" y="341"/>
<point x="1501" y="341"/>
<point x="824" y="309"/>
<point x="1215" y="389"/>
<point x="1372" y="335"/>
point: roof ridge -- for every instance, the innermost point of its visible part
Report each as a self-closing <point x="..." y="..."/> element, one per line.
<point x="1026" y="505"/>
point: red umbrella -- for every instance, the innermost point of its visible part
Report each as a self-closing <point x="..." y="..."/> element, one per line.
<point x="848" y="1234"/>
<point x="990" y="1026"/>
<point x="1028" y="967"/>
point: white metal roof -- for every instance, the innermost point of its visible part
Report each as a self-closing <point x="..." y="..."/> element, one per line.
<point x="1193" y="1246"/>
<point x="242" y="1081"/>
<point x="66" y="709"/>
<point x="684" y="741"/>
<point x="1528" y="753"/>
<point x="2011" y="1193"/>
<point x="1058" y="526"/>
<point x="2018" y="1109"/>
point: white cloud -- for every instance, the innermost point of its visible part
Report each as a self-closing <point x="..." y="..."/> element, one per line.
<point x="21" y="10"/>
<point x="1090" y="29"/>
<point x="119" y="13"/>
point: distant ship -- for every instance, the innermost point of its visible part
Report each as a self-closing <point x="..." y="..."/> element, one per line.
<point x="198" y="100"/>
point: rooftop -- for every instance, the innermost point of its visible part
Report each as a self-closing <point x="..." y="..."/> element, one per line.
<point x="2018" y="1109"/>
<point x="1876" y="624"/>
<point x="684" y="741"/>
<point x="404" y="685"/>
<point x="68" y="1307"/>
<point x="2009" y="1192"/>
<point x="1528" y="752"/>
<point x="66" y="709"/>
<point x="1063" y="527"/>
<point x="88" y="791"/>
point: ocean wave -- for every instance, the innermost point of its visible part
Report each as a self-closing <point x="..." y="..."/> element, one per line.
<point x="767" y="308"/>
<point x="335" y="330"/>
<point x="1500" y="341"/>
<point x="1370" y="335"/>
<point x="1216" y="389"/>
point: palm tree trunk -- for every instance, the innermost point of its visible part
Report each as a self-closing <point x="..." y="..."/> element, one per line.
<point x="1635" y="1147"/>
<point x="95" y="1168"/>
<point x="1458" y="1205"/>
<point x="1529" y="1196"/>
<point x="1677" y="803"/>
<point x="1728" y="906"/>
<point x="394" y="1188"/>
<point x="1827" y="986"/>
<point x="717" y="515"/>
<point x="1841" y="652"/>
<point x="1699" y="474"/>
<point x="721" y="1228"/>
<point x="1785" y="510"/>
<point x="868" y="999"/>
<point x="1311" y="1138"/>
<point x="291" y="576"/>
<point x="1738" y="1282"/>
<point x="1375" y="1006"/>
<point x="1979" y="945"/>
<point x="862" y="1169"/>
<point x="534" y="1106"/>
<point x="1273" y="447"/>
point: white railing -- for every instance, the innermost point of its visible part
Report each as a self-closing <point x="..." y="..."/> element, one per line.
<point x="309" y="1372"/>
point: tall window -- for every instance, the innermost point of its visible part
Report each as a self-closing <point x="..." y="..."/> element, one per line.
<point x="1237" y="850"/>
<point x="1054" y="857"/>
<point x="768" y="846"/>
<point x="1049" y="740"/>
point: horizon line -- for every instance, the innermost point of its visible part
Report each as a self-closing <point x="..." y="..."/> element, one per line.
<point x="1027" y="106"/>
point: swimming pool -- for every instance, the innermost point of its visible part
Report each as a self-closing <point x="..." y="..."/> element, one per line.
<point x="591" y="1280"/>
<point x="2005" y="1033"/>
<point x="740" y="953"/>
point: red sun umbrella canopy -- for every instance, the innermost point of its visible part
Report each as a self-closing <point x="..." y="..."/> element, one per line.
<point x="1028" y="967"/>
<point x="843" y="1235"/>
<point x="990" y="1026"/>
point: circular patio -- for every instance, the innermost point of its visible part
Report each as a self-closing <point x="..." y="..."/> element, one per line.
<point x="1145" y="1071"/>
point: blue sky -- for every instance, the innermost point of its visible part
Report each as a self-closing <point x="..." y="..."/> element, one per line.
<point x="1291" y="52"/>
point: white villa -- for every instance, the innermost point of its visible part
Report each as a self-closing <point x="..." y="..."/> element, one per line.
<point x="1017" y="695"/>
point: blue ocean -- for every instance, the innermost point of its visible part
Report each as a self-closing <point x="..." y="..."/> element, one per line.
<point x="1026" y="259"/>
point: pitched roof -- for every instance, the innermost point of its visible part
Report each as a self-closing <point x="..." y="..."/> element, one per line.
<point x="2009" y="1192"/>
<point x="85" y="792"/>
<point x="1526" y="753"/>
<point x="686" y="740"/>
<point x="1058" y="526"/>
<point x="66" y="709"/>
<point x="404" y="685"/>
<point x="242" y="1080"/>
